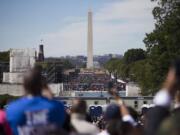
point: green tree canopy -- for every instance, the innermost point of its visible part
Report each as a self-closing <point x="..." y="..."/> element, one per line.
<point x="4" y="56"/>
<point x="133" y="55"/>
<point x="163" y="44"/>
<point x="148" y="68"/>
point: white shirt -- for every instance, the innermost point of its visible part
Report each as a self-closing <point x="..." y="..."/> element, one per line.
<point x="104" y="132"/>
<point x="162" y="98"/>
<point x="82" y="126"/>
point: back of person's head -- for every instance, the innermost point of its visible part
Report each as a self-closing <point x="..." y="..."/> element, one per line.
<point x="144" y="110"/>
<point x="133" y="113"/>
<point x="33" y="82"/>
<point x="79" y="106"/>
<point x="112" y="112"/>
<point x="39" y="69"/>
<point x="118" y="127"/>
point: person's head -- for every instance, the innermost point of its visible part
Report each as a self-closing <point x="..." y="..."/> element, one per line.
<point x="133" y="113"/>
<point x="33" y="82"/>
<point x="112" y="112"/>
<point x="79" y="106"/>
<point x="118" y="127"/>
<point x="38" y="68"/>
<point x="173" y="76"/>
<point x="46" y="92"/>
<point x="144" y="110"/>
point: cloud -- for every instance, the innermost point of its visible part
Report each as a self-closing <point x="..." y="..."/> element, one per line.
<point x="126" y="10"/>
<point x="117" y="26"/>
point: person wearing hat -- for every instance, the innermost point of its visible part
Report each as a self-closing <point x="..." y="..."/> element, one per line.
<point x="118" y="119"/>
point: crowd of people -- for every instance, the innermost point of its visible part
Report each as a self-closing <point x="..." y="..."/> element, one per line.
<point x="93" y="82"/>
<point x="36" y="113"/>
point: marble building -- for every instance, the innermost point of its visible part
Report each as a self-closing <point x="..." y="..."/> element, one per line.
<point x="21" y="60"/>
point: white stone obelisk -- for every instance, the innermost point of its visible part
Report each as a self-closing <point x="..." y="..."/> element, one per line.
<point x="90" y="41"/>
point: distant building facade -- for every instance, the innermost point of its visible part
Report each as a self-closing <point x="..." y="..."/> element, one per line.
<point x="21" y="60"/>
<point x="4" y="67"/>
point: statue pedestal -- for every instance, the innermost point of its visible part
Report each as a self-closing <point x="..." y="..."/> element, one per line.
<point x="13" y="77"/>
<point x="21" y="60"/>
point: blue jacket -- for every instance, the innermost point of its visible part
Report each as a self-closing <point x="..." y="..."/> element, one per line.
<point x="28" y="112"/>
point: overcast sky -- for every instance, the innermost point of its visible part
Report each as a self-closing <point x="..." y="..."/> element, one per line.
<point x="62" y="24"/>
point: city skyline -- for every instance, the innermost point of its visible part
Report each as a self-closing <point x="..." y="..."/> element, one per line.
<point x="118" y="25"/>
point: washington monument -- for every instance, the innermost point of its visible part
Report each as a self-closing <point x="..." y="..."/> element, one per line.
<point x="90" y="41"/>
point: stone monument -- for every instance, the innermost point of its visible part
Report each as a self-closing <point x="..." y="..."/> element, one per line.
<point x="90" y="42"/>
<point x="21" y="60"/>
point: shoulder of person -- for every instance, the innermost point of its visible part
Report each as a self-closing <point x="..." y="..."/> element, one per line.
<point x="57" y="103"/>
<point x="92" y="127"/>
<point x="104" y="132"/>
<point x="16" y="104"/>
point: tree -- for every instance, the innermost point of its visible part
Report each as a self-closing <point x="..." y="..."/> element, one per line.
<point x="4" y="56"/>
<point x="67" y="64"/>
<point x="141" y="73"/>
<point x="121" y="67"/>
<point x="133" y="55"/>
<point x="163" y="43"/>
<point x="149" y="68"/>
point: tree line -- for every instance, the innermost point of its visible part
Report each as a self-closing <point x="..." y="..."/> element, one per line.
<point x="148" y="67"/>
<point x="4" y="56"/>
